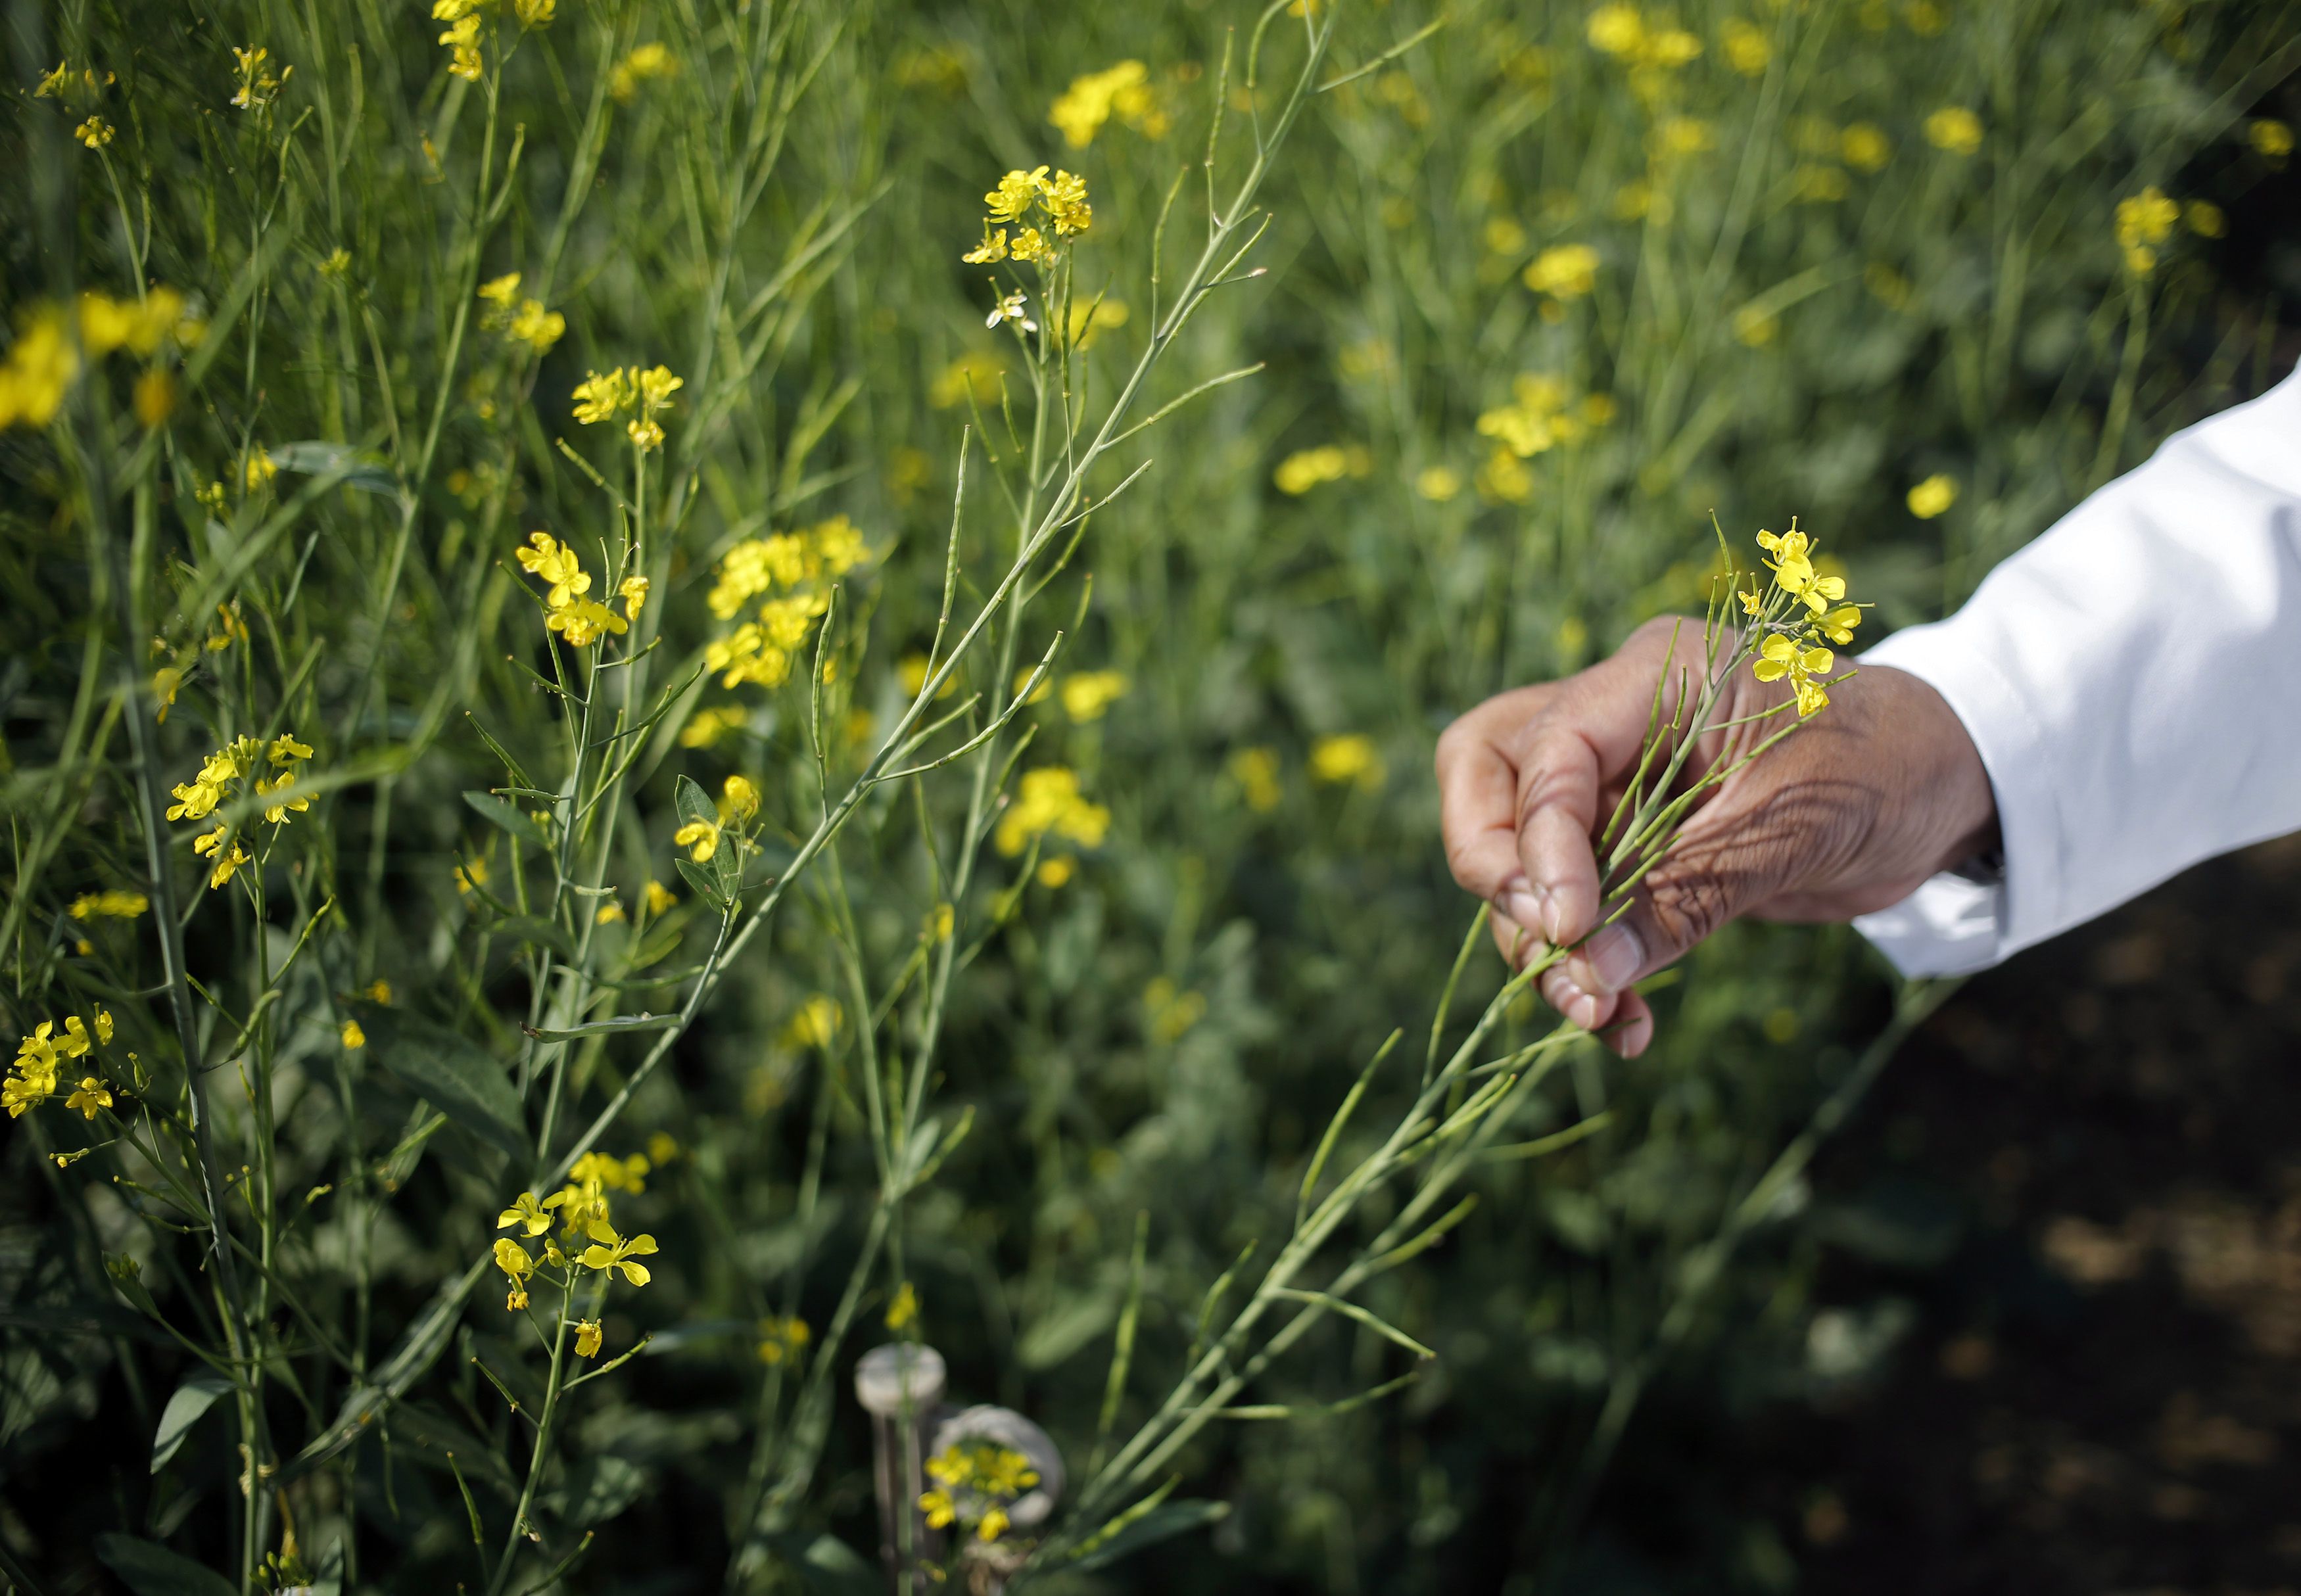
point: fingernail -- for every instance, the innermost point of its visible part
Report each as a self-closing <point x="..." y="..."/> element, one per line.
<point x="1523" y="904"/>
<point x="1583" y="1010"/>
<point x="1614" y="956"/>
<point x="1554" y="919"/>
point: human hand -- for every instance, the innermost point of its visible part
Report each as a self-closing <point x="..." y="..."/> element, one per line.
<point x="1869" y="799"/>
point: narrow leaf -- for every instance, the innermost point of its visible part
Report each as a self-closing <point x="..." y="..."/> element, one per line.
<point x="193" y="1398"/>
<point x="448" y="1072"/>
<point x="152" y="1570"/>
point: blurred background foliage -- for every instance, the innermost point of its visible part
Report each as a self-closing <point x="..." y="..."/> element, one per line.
<point x="1543" y="295"/>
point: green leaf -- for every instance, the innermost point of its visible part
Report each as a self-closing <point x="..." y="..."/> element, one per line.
<point x="509" y="815"/>
<point x="1163" y="1522"/>
<point x="829" y="1565"/>
<point x="448" y="1072"/>
<point x="315" y="457"/>
<point x="705" y="881"/>
<point x="692" y="803"/>
<point x="630" y="1021"/>
<point x="150" y="1570"/>
<point x="193" y="1398"/>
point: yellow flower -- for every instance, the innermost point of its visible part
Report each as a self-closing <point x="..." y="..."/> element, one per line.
<point x="609" y="913"/>
<point x="91" y="1095"/>
<point x="1681" y="136"/>
<point x="634" y="595"/>
<point x="647" y="62"/>
<point x="599" y="396"/>
<point x="2204" y="219"/>
<point x="378" y="989"/>
<point x="1306" y="469"/>
<point x="940" y="1508"/>
<point x="1067" y="203"/>
<point x="1563" y="271"/>
<point x="1092" y="100"/>
<point x="1818" y="184"/>
<point x="538" y="328"/>
<point x="978" y="375"/>
<point x="462" y="39"/>
<point x="782" y="1338"/>
<point x="535" y="14"/>
<point x="700" y="838"/>
<point x="275" y="813"/>
<point x="352" y="1036"/>
<point x="111" y="904"/>
<point x="992" y="1525"/>
<point x="1053" y="873"/>
<point x="2271" y="138"/>
<point x="1780" y="657"/>
<point x="94" y="132"/>
<point x="655" y="387"/>
<point x="286" y="750"/>
<point x="228" y="861"/>
<point x="336" y="262"/>
<point x="1437" y="483"/>
<point x="515" y="1261"/>
<point x="1048" y="800"/>
<point x="1088" y="694"/>
<point x="52" y="84"/>
<point x="1016" y="194"/>
<point x="1031" y="246"/>
<point x="1837" y="625"/>
<point x="583" y="621"/>
<point x="645" y="432"/>
<point x="39" y="369"/>
<point x="1933" y="496"/>
<point x="1747" y="51"/>
<point x="709" y="725"/>
<point x="610" y="1252"/>
<point x="1954" y="129"/>
<point x="739" y="801"/>
<point x="1256" y="772"/>
<point x="260" y="470"/>
<point x="814" y="1024"/>
<point x="904" y="1311"/>
<point x="660" y="898"/>
<point x="1865" y="147"/>
<point x="1617" y="30"/>
<point x="588" y="1337"/>
<point x="154" y="399"/>
<point x="1348" y="757"/>
<point x="471" y="875"/>
<point x="991" y="251"/>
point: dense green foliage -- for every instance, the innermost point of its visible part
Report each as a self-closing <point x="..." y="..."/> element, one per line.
<point x="1542" y="293"/>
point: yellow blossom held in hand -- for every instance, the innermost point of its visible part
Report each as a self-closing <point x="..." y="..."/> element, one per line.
<point x="1954" y="129"/>
<point x="588" y="1338"/>
<point x="1349" y="757"/>
<point x="352" y="1036"/>
<point x="1933" y="496"/>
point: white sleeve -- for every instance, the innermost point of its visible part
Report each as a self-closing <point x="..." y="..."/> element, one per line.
<point x="2132" y="682"/>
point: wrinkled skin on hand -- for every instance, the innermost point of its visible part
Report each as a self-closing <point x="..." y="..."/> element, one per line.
<point x="1847" y="816"/>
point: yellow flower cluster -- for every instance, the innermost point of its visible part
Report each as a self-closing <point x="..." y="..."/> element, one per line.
<point x="1060" y="201"/>
<point x="461" y="37"/>
<point x="1306" y="469"/>
<point x="1543" y="413"/>
<point x="601" y="397"/>
<point x="1049" y="802"/>
<point x="1563" y="271"/>
<point x="581" y="620"/>
<point x="2144" y="221"/>
<point x="523" y="320"/>
<point x="645" y="64"/>
<point x="240" y="760"/>
<point x="1087" y="695"/>
<point x="40" y="1058"/>
<point x="1651" y="47"/>
<point x="805" y="564"/>
<point x="1804" y="612"/>
<point x="1123" y="91"/>
<point x="109" y="905"/>
<point x="976" y="1482"/>
<point x="258" y="88"/>
<point x="42" y="363"/>
<point x="1954" y="129"/>
<point x="581" y="1210"/>
<point x="783" y="1339"/>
